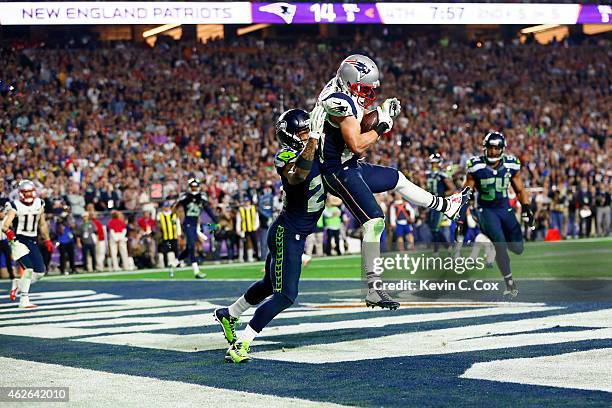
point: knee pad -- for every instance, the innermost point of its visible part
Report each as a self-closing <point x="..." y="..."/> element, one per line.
<point x="481" y="238"/>
<point x="373" y="229"/>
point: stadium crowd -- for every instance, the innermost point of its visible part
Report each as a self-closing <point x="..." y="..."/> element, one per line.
<point x="121" y="127"/>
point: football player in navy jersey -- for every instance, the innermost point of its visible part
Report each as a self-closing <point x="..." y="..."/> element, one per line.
<point x="490" y="175"/>
<point x="440" y="184"/>
<point x="25" y="218"/>
<point x="346" y="98"/>
<point x="189" y="207"/>
<point x="298" y="134"/>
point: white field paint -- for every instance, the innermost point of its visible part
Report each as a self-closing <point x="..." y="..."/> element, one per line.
<point x="89" y="388"/>
<point x="453" y="340"/>
<point x="583" y="370"/>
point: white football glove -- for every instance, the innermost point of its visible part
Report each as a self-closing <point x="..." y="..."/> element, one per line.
<point x="317" y="122"/>
<point x="392" y="106"/>
<point x="384" y="117"/>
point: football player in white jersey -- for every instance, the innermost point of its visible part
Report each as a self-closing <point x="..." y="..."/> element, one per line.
<point x="346" y="99"/>
<point x="24" y="220"/>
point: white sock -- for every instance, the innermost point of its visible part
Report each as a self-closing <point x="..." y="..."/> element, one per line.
<point x="250" y="255"/>
<point x="196" y="268"/>
<point x="15" y="284"/>
<point x="415" y="194"/>
<point x="239" y="307"/>
<point x="248" y="334"/>
<point x="26" y="280"/>
<point x="171" y="259"/>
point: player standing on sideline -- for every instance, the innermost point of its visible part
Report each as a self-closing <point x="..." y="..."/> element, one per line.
<point x="189" y="207"/>
<point x="440" y="184"/>
<point x="346" y="97"/>
<point x="299" y="136"/>
<point x="26" y="215"/>
<point x="491" y="174"/>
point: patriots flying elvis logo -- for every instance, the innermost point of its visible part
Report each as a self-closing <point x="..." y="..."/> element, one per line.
<point x="285" y="11"/>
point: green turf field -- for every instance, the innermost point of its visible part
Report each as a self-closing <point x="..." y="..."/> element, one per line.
<point x="567" y="259"/>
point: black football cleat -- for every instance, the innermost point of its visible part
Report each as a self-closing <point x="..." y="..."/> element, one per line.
<point x="380" y="298"/>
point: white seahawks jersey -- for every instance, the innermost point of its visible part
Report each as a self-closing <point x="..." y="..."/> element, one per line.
<point x="337" y="103"/>
<point x="28" y="216"/>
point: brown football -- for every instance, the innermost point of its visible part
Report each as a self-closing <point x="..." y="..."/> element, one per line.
<point x="369" y="121"/>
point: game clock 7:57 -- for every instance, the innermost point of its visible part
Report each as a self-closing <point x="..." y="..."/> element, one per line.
<point x="446" y="13"/>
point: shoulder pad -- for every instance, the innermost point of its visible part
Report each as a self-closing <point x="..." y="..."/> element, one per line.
<point x="284" y="157"/>
<point x="512" y="162"/>
<point x="10" y="206"/>
<point x="339" y="104"/>
<point x="475" y="163"/>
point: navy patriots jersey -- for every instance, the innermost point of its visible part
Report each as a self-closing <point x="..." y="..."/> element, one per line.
<point x="492" y="184"/>
<point x="304" y="202"/>
<point x="194" y="204"/>
<point x="435" y="182"/>
<point x="334" y="152"/>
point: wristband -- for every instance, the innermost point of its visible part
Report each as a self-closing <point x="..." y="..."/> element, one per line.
<point x="303" y="164"/>
<point x="381" y="128"/>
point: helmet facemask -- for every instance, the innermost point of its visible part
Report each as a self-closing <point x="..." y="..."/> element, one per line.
<point x="366" y="95"/>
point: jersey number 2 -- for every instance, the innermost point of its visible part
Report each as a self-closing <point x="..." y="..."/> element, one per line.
<point x="314" y="202"/>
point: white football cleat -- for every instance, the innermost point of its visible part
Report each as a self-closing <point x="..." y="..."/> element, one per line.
<point x="24" y="303"/>
<point x="456" y="202"/>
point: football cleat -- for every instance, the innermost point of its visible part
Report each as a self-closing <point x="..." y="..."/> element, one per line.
<point x="381" y="299"/>
<point x="227" y="322"/>
<point x="511" y="292"/>
<point x="200" y="275"/>
<point x="238" y="352"/>
<point x="13" y="294"/>
<point x="456" y="202"/>
<point x="24" y="303"/>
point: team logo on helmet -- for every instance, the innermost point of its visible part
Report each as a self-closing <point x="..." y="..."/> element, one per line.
<point x="361" y="67"/>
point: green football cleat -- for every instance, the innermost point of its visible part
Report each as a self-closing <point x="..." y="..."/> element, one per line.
<point x="238" y="352"/>
<point x="228" y="324"/>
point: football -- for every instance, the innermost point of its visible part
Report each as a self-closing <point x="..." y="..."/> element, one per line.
<point x="369" y="121"/>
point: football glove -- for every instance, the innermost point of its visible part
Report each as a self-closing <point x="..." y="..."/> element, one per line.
<point x="385" y="122"/>
<point x="49" y="245"/>
<point x="317" y="122"/>
<point x="392" y="106"/>
<point x="527" y="215"/>
<point x="10" y="235"/>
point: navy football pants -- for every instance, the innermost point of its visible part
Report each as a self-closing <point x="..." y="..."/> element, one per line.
<point x="356" y="183"/>
<point x="502" y="227"/>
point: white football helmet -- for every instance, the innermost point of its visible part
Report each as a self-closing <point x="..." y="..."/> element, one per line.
<point x="358" y="76"/>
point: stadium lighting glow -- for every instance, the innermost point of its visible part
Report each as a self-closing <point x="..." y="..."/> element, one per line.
<point x="538" y="28"/>
<point x="251" y="28"/>
<point x="158" y="30"/>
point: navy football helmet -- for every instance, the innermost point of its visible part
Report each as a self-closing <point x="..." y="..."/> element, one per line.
<point x="496" y="140"/>
<point x="289" y="125"/>
<point x="193" y="186"/>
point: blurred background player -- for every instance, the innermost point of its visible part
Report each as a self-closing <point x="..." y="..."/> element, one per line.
<point x="169" y="230"/>
<point x="490" y="175"/>
<point x="332" y="220"/>
<point x="314" y="242"/>
<point x="247" y="224"/>
<point x="401" y="219"/>
<point x="298" y="134"/>
<point x="189" y="208"/>
<point x="346" y="98"/>
<point x="438" y="183"/>
<point x="6" y="261"/>
<point x="26" y="216"/>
